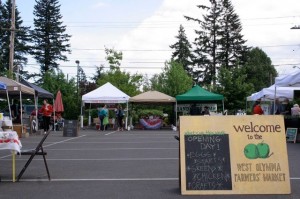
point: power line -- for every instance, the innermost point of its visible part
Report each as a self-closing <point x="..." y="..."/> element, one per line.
<point x="169" y="21"/>
<point x="166" y="50"/>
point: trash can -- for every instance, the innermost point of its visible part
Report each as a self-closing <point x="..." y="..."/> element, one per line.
<point x="71" y="128"/>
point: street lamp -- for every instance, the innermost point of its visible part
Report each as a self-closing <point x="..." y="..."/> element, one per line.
<point x="77" y="62"/>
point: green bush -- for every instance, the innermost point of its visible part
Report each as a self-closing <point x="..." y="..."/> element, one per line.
<point x="94" y="113"/>
<point x="149" y="112"/>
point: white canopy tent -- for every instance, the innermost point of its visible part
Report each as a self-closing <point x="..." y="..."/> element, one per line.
<point x="268" y="94"/>
<point x="105" y="94"/>
<point x="290" y="80"/>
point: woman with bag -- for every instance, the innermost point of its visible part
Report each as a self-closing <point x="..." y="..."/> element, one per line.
<point x="103" y="112"/>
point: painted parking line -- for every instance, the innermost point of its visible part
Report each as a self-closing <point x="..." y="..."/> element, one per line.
<point x="111" y="133"/>
<point x="103" y="179"/>
<point x="97" y="179"/>
<point x="50" y="144"/>
<point x="99" y="159"/>
<point x="63" y="141"/>
<point x="111" y="149"/>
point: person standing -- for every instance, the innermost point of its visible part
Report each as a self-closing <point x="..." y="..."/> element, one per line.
<point x="120" y="115"/>
<point x="257" y="110"/>
<point x="194" y="110"/>
<point x="46" y="111"/>
<point x="205" y="111"/>
<point x="295" y="110"/>
<point x="103" y="112"/>
<point x="277" y="108"/>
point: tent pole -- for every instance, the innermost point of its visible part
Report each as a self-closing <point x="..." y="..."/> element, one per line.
<point x="8" y="105"/>
<point x="274" y="105"/>
<point x="126" y="127"/>
<point x="176" y="114"/>
<point x="90" y="114"/>
<point x="223" y="105"/>
<point x="36" y="113"/>
<point x="21" y="112"/>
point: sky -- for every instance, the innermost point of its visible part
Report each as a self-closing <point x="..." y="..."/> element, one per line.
<point x="144" y="30"/>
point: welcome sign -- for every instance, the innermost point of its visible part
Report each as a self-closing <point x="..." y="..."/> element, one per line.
<point x="233" y="155"/>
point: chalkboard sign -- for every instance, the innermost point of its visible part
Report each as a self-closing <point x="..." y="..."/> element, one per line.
<point x="207" y="159"/>
<point x="291" y="134"/>
<point x="70" y="128"/>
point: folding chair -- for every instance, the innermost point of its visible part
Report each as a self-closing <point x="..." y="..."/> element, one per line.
<point x="33" y="152"/>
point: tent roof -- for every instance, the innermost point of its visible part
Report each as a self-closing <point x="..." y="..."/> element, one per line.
<point x="152" y="96"/>
<point x="269" y="93"/>
<point x="199" y="94"/>
<point x="105" y="94"/>
<point x="2" y="86"/>
<point x="292" y="79"/>
<point x="40" y="92"/>
<point x="14" y="87"/>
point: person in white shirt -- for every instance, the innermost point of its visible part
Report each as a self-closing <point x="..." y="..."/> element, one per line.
<point x="295" y="110"/>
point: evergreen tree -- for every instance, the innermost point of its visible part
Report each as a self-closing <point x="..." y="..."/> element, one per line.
<point x="49" y="37"/>
<point x="232" y="45"/>
<point x="182" y="51"/>
<point x="22" y="38"/>
<point x="207" y="43"/>
<point x="219" y="42"/>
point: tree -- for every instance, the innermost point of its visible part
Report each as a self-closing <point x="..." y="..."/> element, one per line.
<point x="173" y="80"/>
<point x="207" y="42"/>
<point x="182" y="51"/>
<point x="234" y="86"/>
<point x="22" y="39"/>
<point x="54" y="82"/>
<point x="98" y="74"/>
<point x="124" y="81"/>
<point x="219" y="42"/>
<point x="260" y="71"/>
<point x="232" y="45"/>
<point x="49" y="37"/>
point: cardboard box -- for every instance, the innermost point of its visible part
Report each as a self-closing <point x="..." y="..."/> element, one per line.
<point x="18" y="129"/>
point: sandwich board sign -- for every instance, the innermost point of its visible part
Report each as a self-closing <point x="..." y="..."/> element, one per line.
<point x="291" y="134"/>
<point x="233" y="155"/>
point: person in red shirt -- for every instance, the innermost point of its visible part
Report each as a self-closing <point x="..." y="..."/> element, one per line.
<point x="46" y="110"/>
<point x="257" y="109"/>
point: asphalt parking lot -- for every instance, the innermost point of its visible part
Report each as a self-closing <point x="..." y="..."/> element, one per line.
<point x="128" y="164"/>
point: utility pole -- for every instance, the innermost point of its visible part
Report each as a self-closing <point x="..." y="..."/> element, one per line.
<point x="77" y="62"/>
<point x="12" y="38"/>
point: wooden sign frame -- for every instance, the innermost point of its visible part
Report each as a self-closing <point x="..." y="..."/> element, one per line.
<point x="293" y="131"/>
<point x="257" y="154"/>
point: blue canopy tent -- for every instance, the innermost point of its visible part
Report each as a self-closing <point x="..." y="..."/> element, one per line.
<point x="3" y="88"/>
